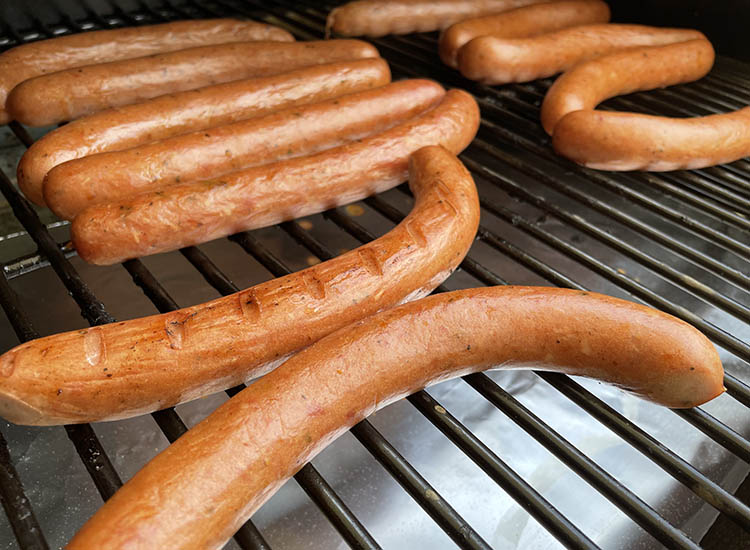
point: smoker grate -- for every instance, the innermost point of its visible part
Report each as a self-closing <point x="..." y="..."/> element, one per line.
<point x="676" y="241"/>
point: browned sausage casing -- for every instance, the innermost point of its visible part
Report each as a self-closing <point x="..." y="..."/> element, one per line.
<point x="378" y="18"/>
<point x="72" y="93"/>
<point x="591" y="82"/>
<point x="47" y="56"/>
<point x="258" y="439"/>
<point x="301" y="130"/>
<point x="173" y="114"/>
<point x="492" y="60"/>
<point x="521" y="23"/>
<point x="193" y="213"/>
<point x="128" y="368"/>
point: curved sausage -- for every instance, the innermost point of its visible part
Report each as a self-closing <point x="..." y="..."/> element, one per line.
<point x="629" y="141"/>
<point x="258" y="439"/>
<point x="378" y="17"/>
<point x="493" y="60"/>
<point x="301" y="130"/>
<point x="72" y="93"/>
<point x="193" y="213"/>
<point x="521" y="22"/>
<point x="128" y="368"/>
<point x="64" y="52"/>
<point x="173" y="114"/>
<point x="589" y="83"/>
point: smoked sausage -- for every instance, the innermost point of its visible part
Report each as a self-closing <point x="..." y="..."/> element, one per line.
<point x="521" y="22"/>
<point x="133" y="367"/>
<point x="192" y="213"/>
<point x="258" y="439"/>
<point x="300" y="130"/>
<point x="586" y="85"/>
<point x="492" y="60"/>
<point x="72" y="93"/>
<point x="75" y="50"/>
<point x="173" y="114"/>
<point x="378" y="18"/>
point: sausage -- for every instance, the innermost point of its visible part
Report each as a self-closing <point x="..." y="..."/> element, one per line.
<point x="132" y="367"/>
<point x="259" y="438"/>
<point x="301" y="130"/>
<point x="64" y="52"/>
<point x="378" y="18"/>
<point x="589" y="83"/>
<point x="173" y="114"/>
<point x="521" y="22"/>
<point x="72" y="93"/>
<point x="193" y="213"/>
<point x="492" y="60"/>
<point x="629" y="141"/>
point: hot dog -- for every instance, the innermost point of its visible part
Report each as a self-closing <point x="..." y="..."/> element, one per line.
<point x="301" y="130"/>
<point x="192" y="213"/>
<point x="72" y="93"/>
<point x="258" y="439"/>
<point x="128" y="368"/>
<point x="378" y="18"/>
<point x="589" y="83"/>
<point x="521" y="22"/>
<point x="173" y="114"/>
<point x="492" y="60"/>
<point x="629" y="141"/>
<point x="64" y="52"/>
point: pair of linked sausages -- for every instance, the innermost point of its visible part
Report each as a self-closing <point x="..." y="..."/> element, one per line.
<point x="522" y="40"/>
<point x="259" y="438"/>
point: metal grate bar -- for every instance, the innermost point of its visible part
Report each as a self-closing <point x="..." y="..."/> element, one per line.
<point x="717" y="431"/>
<point x="16" y="504"/>
<point x="589" y="470"/>
<point x="418" y="488"/>
<point x="535" y="504"/>
<point x="651" y="448"/>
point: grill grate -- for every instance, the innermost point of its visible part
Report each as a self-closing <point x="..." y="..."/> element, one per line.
<point x="681" y="237"/>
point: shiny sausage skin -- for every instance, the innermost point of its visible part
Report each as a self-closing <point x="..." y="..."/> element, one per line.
<point x="589" y="83"/>
<point x="72" y="93"/>
<point x="300" y="130"/>
<point x="128" y="368"/>
<point x="173" y="114"/>
<point x="64" y="52"/>
<point x="493" y="60"/>
<point x="629" y="141"/>
<point x="258" y="439"/>
<point x="378" y="18"/>
<point x="521" y="22"/>
<point x="193" y="213"/>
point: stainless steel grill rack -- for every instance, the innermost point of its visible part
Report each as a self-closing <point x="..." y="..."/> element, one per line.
<point x="676" y="241"/>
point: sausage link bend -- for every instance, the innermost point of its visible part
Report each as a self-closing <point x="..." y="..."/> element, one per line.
<point x="141" y="365"/>
<point x="586" y="85"/>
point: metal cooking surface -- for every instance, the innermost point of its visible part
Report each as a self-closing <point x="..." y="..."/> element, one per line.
<point x="507" y="460"/>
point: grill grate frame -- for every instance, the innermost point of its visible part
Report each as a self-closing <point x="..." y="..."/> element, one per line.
<point x="691" y="203"/>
